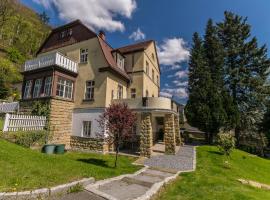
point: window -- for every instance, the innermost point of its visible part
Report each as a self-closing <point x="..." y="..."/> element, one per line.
<point x="153" y="75"/>
<point x="89" y="91"/>
<point x="146" y="93"/>
<point x="133" y="93"/>
<point x="120" y="61"/>
<point x="65" y="33"/>
<point x="120" y="92"/>
<point x="27" y="89"/>
<point x="147" y="68"/>
<point x="153" y="57"/>
<point x="84" y="56"/>
<point x="64" y="88"/>
<point x="112" y="94"/>
<point x="87" y="128"/>
<point x="48" y="86"/>
<point x="37" y="87"/>
<point x="157" y="80"/>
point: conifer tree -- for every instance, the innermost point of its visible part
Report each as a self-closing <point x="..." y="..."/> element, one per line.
<point x="245" y="67"/>
<point x="197" y="109"/>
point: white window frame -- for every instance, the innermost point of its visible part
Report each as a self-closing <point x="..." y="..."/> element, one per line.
<point x="83" y="55"/>
<point x="27" y="89"/>
<point x="48" y="86"/>
<point x="133" y="93"/>
<point x="87" y="129"/>
<point x="120" y="92"/>
<point x="89" y="90"/>
<point x="37" y="88"/>
<point x="64" y="88"/>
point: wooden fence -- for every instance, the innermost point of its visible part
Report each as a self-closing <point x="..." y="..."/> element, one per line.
<point x="15" y="122"/>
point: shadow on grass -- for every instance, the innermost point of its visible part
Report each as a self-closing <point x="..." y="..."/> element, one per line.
<point x="94" y="161"/>
<point x="215" y="152"/>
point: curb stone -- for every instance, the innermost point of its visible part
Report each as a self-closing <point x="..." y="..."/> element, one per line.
<point x="45" y="192"/>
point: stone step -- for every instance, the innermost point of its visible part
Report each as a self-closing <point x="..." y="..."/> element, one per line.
<point x="138" y="180"/>
<point x="161" y="174"/>
<point x="123" y="190"/>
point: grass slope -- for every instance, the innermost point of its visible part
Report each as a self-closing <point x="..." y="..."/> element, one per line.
<point x="212" y="180"/>
<point x="25" y="169"/>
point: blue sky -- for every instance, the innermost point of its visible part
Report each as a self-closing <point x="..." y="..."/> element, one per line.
<point x="170" y="22"/>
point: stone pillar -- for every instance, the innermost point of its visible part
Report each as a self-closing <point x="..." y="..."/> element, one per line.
<point x="60" y="121"/>
<point x="169" y="134"/>
<point x="146" y="141"/>
<point x="177" y="131"/>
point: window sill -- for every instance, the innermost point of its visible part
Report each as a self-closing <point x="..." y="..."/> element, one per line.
<point x="88" y="100"/>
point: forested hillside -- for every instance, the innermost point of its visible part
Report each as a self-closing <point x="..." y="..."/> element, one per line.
<point x="22" y="31"/>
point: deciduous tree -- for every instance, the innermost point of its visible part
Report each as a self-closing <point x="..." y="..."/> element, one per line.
<point x="116" y="125"/>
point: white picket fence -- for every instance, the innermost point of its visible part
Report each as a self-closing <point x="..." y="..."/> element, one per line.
<point x="15" y="122"/>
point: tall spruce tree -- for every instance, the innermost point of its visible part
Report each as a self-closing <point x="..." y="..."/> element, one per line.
<point x="214" y="61"/>
<point x="245" y="67"/>
<point x="197" y="109"/>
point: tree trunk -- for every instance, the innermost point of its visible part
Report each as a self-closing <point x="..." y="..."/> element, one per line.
<point x="116" y="155"/>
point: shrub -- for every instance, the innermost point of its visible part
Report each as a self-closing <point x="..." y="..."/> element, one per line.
<point x="26" y="138"/>
<point x="226" y="143"/>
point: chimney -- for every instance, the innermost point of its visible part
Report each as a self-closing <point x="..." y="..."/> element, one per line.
<point x="102" y="35"/>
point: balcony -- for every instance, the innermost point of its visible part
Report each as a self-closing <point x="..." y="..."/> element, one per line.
<point x="53" y="59"/>
<point x="149" y="103"/>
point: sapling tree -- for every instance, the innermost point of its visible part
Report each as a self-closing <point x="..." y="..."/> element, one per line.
<point x="116" y="125"/>
<point x="226" y="143"/>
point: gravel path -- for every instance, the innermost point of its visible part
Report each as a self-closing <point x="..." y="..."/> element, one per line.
<point x="182" y="161"/>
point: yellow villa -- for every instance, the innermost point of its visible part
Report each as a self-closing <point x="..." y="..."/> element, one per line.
<point x="79" y="74"/>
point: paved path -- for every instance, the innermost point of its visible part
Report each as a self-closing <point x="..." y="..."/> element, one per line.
<point x="182" y="161"/>
<point x="143" y="184"/>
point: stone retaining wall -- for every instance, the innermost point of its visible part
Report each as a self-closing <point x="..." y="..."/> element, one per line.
<point x="91" y="144"/>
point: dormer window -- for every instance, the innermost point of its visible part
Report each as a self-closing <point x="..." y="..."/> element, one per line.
<point x="65" y="33"/>
<point x="120" y="61"/>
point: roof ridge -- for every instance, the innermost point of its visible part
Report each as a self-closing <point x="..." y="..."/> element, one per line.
<point x="137" y="43"/>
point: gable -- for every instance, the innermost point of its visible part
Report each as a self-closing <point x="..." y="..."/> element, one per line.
<point x="74" y="32"/>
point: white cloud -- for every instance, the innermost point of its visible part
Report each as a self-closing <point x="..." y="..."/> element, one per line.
<point x="97" y="14"/>
<point x="177" y="92"/>
<point x="180" y="83"/>
<point x="180" y="74"/>
<point x="172" y="52"/>
<point x="165" y="94"/>
<point x="137" y="35"/>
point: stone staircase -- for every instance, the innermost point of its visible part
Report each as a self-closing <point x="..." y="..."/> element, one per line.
<point x="130" y="187"/>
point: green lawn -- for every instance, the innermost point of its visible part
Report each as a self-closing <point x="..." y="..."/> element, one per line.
<point x="212" y="180"/>
<point x="25" y="169"/>
<point x="1" y="124"/>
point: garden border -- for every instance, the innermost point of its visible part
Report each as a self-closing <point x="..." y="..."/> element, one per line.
<point x="46" y="192"/>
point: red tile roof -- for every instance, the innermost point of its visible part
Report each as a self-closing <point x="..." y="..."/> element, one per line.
<point x="135" y="47"/>
<point x="107" y="51"/>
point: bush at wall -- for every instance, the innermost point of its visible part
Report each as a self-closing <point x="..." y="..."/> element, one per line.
<point x="26" y="138"/>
